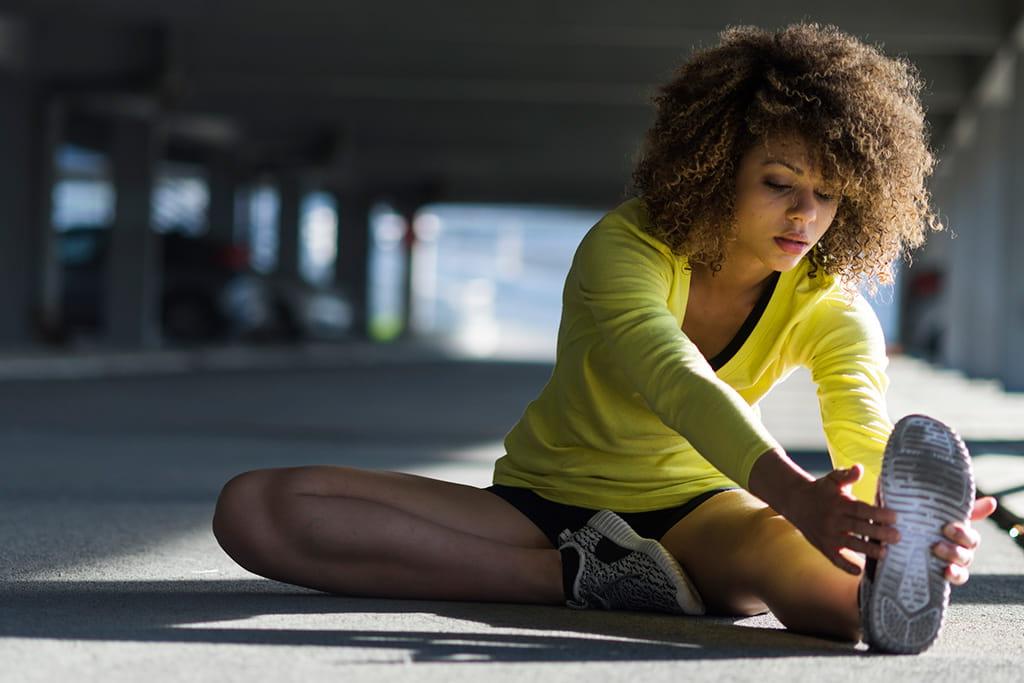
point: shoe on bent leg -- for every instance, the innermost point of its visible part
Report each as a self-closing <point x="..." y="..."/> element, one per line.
<point x="927" y="480"/>
<point x="610" y="566"/>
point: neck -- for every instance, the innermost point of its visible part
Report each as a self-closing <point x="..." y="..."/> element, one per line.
<point x="731" y="283"/>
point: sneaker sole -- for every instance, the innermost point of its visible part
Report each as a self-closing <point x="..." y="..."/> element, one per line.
<point x="927" y="480"/>
<point x="618" y="531"/>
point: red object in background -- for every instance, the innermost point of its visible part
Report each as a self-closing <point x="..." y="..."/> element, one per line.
<point x="927" y="284"/>
<point x="409" y="237"/>
<point x="234" y="257"/>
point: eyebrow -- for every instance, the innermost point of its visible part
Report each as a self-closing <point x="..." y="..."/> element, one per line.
<point x="794" y="169"/>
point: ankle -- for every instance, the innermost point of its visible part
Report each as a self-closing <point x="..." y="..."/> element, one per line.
<point x="570" y="558"/>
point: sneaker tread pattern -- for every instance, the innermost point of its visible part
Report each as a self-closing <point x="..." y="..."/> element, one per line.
<point x="927" y="479"/>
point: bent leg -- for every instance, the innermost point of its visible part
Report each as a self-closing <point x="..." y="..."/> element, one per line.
<point x="744" y="558"/>
<point x="385" y="534"/>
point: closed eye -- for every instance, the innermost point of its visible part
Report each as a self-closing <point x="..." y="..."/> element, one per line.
<point x="779" y="187"/>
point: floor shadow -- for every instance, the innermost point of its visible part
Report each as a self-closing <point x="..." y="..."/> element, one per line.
<point x="1005" y="447"/>
<point x="990" y="589"/>
<point x="183" y="612"/>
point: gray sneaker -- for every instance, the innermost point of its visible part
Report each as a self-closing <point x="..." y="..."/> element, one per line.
<point x="618" y="569"/>
<point x="927" y="480"/>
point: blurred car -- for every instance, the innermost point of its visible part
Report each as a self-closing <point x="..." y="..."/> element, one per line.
<point x="208" y="292"/>
<point x="207" y="288"/>
<point x="300" y="310"/>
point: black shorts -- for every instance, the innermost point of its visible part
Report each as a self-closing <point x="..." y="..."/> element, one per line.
<point x="551" y="517"/>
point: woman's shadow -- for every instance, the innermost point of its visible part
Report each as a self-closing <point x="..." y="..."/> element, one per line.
<point x="380" y="630"/>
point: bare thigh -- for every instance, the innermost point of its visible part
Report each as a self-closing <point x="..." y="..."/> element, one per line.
<point x="745" y="558"/>
<point x="459" y="507"/>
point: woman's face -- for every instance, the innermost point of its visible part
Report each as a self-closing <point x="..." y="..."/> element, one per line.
<point x="783" y="207"/>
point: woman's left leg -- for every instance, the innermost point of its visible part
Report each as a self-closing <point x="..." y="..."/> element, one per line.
<point x="744" y="558"/>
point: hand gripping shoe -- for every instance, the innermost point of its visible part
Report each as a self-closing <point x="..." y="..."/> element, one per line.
<point x="927" y="480"/>
<point x="616" y="568"/>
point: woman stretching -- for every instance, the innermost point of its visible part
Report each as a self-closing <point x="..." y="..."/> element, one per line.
<point x="783" y="170"/>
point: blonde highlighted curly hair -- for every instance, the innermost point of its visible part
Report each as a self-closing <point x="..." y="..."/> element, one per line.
<point x="859" y="110"/>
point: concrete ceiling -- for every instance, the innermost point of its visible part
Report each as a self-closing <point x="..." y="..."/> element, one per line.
<point x="535" y="101"/>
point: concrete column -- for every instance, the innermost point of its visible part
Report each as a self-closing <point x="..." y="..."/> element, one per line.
<point x="133" y="261"/>
<point x="958" y="270"/>
<point x="407" y="208"/>
<point x="48" y="273"/>
<point x="352" y="268"/>
<point x="1012" y="373"/>
<point x="988" y="300"/>
<point x="290" y="189"/>
<point x="16" y="134"/>
<point x="978" y="215"/>
<point x="921" y="317"/>
<point x="222" y="184"/>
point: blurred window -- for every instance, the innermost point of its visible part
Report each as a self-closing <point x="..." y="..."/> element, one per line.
<point x="488" y="278"/>
<point x="83" y="191"/>
<point x="181" y="196"/>
<point x="318" y="239"/>
<point x="260" y="206"/>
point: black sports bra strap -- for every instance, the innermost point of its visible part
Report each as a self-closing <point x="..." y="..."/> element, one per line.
<point x="748" y="325"/>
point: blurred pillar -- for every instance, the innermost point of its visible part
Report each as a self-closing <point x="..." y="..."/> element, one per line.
<point x="48" y="296"/>
<point x="222" y="183"/>
<point x="290" y="189"/>
<point x="976" y="293"/>
<point x="133" y="259"/>
<point x="17" y="128"/>
<point x="1013" y="238"/>
<point x="352" y="267"/>
<point x="986" y="229"/>
<point x="407" y="207"/>
<point x="960" y="189"/>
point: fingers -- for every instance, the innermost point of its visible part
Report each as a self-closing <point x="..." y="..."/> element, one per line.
<point x="845" y="477"/>
<point x="962" y="534"/>
<point x="875" y="550"/>
<point x="957" y="575"/>
<point x="959" y="553"/>
<point x="881" y="533"/>
<point x="838" y="560"/>
<point x="954" y="554"/>
<point x="983" y="507"/>
<point x="878" y="515"/>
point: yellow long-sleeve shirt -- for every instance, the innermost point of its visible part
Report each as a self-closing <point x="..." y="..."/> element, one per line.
<point x="634" y="418"/>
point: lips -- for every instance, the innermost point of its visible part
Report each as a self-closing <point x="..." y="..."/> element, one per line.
<point x="790" y="246"/>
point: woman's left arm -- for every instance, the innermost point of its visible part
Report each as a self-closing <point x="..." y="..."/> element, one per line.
<point x="845" y="351"/>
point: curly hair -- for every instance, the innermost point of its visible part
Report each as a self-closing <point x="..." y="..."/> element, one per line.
<point x="858" y="110"/>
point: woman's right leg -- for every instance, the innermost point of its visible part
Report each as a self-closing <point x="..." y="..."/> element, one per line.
<point x="745" y="558"/>
<point x="385" y="534"/>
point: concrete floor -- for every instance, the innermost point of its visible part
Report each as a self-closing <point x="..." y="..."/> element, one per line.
<point x="109" y="570"/>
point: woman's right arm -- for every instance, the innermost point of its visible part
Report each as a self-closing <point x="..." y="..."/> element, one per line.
<point x="824" y="510"/>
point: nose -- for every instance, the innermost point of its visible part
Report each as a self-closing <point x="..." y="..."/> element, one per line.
<point x="804" y="207"/>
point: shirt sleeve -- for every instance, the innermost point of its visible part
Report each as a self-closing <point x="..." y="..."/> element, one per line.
<point x="848" y="363"/>
<point x="624" y="281"/>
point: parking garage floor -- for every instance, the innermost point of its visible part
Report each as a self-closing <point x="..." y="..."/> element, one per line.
<point x="110" y="572"/>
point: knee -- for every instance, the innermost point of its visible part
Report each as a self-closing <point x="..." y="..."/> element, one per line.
<point x="242" y="521"/>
